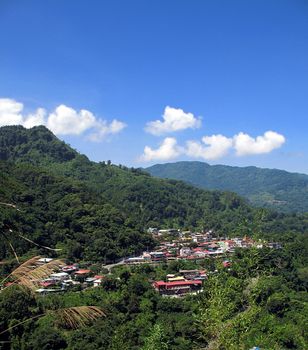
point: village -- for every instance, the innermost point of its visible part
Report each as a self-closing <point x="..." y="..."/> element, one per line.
<point x="172" y="245"/>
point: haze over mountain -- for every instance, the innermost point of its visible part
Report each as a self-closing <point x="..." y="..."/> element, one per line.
<point x="271" y="188"/>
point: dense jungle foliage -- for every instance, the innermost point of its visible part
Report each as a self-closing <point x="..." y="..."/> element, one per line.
<point x="270" y="188"/>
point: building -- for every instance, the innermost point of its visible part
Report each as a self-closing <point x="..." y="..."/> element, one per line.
<point x="158" y="256"/>
<point x="59" y="276"/>
<point x="42" y="261"/>
<point x="135" y="260"/>
<point x="185" y="251"/>
<point x="177" y="288"/>
<point x="169" y="231"/>
<point x="194" y="274"/>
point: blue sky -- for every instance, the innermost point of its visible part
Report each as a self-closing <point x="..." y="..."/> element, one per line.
<point x="145" y="82"/>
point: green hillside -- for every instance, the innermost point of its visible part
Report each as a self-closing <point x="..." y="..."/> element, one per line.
<point x="270" y="188"/>
<point x="100" y="211"/>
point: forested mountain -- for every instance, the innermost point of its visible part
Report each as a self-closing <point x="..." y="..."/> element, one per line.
<point x="100" y="211"/>
<point x="270" y="188"/>
<point x="33" y="146"/>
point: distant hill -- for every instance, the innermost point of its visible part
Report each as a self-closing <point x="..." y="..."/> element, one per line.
<point x="271" y="188"/>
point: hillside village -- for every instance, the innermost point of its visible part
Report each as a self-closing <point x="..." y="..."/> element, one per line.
<point x="172" y="245"/>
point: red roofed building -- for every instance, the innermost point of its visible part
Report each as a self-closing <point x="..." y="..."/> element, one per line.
<point x="198" y="249"/>
<point x="177" y="287"/>
<point x="47" y="284"/>
<point x="99" y="277"/>
<point x="226" y="263"/>
<point x="82" y="272"/>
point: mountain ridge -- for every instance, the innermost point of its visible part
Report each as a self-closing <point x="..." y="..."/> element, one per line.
<point x="271" y="188"/>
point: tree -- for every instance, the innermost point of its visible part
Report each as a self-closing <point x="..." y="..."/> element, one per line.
<point x="156" y="340"/>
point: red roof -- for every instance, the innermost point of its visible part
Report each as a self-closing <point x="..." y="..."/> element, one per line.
<point x="213" y="245"/>
<point x="169" y="254"/>
<point x="46" y="284"/>
<point x="98" y="277"/>
<point x="192" y="257"/>
<point x="177" y="283"/>
<point x="7" y="284"/>
<point x="159" y="283"/>
<point x="183" y="283"/>
<point x="82" y="272"/>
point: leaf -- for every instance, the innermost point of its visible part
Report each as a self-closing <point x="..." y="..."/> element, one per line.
<point x="75" y="317"/>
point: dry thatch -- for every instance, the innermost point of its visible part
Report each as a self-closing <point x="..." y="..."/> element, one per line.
<point x="29" y="276"/>
<point x="79" y="316"/>
<point x="72" y="317"/>
<point x="22" y="269"/>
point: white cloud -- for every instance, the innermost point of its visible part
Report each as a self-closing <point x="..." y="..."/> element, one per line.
<point x="167" y="150"/>
<point x="66" y="121"/>
<point x="104" y="129"/>
<point x="216" y="147"/>
<point x="173" y="120"/>
<point x="247" y="145"/>
<point x="38" y="118"/>
<point x="10" y="112"/>
<point x="63" y="120"/>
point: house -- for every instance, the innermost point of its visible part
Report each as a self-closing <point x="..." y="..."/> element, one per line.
<point x="47" y="290"/>
<point x="60" y="276"/>
<point x="202" y="275"/>
<point x="198" y="238"/>
<point x="175" y="278"/>
<point x="194" y="274"/>
<point x="70" y="268"/>
<point x="48" y="282"/>
<point x="136" y="260"/>
<point x="226" y="263"/>
<point x="98" y="280"/>
<point x="42" y="261"/>
<point x="89" y="280"/>
<point x="169" y="231"/>
<point x="158" y="256"/>
<point x="177" y="288"/>
<point x="82" y="272"/>
<point x="97" y="283"/>
<point x="69" y="283"/>
<point x="146" y="256"/>
<point x="185" y="251"/>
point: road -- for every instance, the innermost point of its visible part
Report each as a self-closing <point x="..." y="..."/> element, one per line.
<point x="111" y="266"/>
